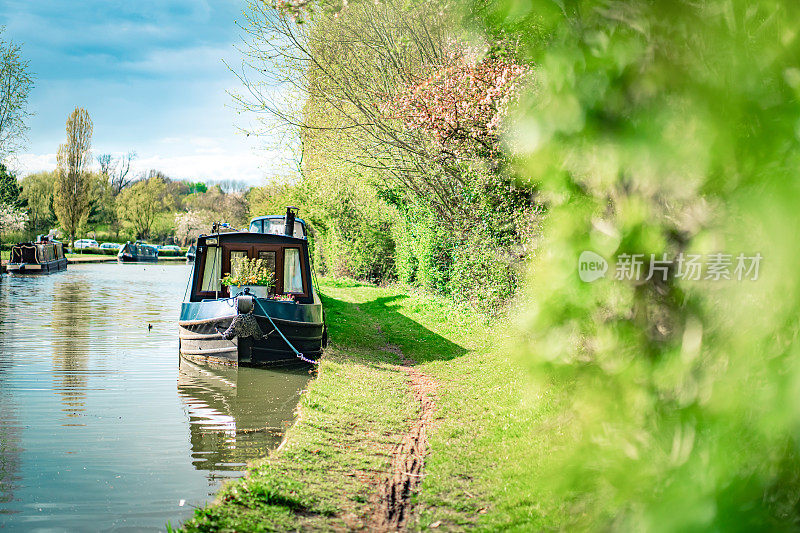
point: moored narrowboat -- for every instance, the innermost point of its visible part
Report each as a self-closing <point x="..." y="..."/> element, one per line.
<point x="137" y="252"/>
<point x="43" y="256"/>
<point x="256" y="325"/>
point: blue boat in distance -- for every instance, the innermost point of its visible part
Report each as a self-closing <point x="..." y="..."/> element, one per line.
<point x="280" y="325"/>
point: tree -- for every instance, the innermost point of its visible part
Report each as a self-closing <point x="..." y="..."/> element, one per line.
<point x="399" y="123"/>
<point x="15" y="86"/>
<point x="190" y="224"/>
<point x="139" y="204"/>
<point x="461" y="105"/>
<point x="37" y="193"/>
<point x="117" y="169"/>
<point x="102" y="207"/>
<point x="9" y="187"/>
<point x="197" y="187"/>
<point x="228" y="207"/>
<point x="73" y="183"/>
<point x="11" y="219"/>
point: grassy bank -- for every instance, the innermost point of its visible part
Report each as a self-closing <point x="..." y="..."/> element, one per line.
<point x="325" y="475"/>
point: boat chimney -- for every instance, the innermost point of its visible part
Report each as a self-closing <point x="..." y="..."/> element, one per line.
<point x="288" y="226"/>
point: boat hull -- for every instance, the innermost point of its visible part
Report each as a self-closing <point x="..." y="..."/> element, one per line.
<point x="137" y="259"/>
<point x="47" y="267"/>
<point x="201" y="323"/>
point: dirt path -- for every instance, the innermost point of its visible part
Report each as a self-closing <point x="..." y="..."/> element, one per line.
<point x="394" y="508"/>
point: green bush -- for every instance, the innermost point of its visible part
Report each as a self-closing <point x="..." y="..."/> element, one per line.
<point x="171" y="253"/>
<point x="483" y="273"/>
<point x="97" y="250"/>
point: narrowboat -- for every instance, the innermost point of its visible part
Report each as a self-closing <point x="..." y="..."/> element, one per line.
<point x="278" y="325"/>
<point x="41" y="257"/>
<point x="190" y="253"/>
<point x="137" y="252"/>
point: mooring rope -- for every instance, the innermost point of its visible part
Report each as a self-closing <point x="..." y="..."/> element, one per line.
<point x="295" y="350"/>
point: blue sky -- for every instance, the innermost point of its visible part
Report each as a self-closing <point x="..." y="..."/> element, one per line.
<point x="151" y="75"/>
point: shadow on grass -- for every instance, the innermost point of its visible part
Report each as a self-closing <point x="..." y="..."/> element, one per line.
<point x="377" y="330"/>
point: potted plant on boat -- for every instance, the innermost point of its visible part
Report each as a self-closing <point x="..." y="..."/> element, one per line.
<point x="249" y="276"/>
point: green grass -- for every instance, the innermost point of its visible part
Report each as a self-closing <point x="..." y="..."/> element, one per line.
<point x="482" y="446"/>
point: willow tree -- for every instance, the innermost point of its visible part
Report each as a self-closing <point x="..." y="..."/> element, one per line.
<point x="37" y="193"/>
<point x="73" y="184"/>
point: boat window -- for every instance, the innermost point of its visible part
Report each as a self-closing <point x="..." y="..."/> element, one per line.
<point x="269" y="259"/>
<point x="275" y="226"/>
<point x="211" y="272"/>
<point x="257" y="226"/>
<point x="236" y="255"/>
<point x="292" y="274"/>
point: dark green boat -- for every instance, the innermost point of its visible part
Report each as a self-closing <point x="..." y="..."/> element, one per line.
<point x="284" y="325"/>
<point x="137" y="252"/>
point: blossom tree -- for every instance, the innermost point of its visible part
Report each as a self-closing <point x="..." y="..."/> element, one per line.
<point x="11" y="219"/>
<point x="190" y="224"/>
<point x="462" y="105"/>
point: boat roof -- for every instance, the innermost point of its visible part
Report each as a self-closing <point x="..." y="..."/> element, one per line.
<point x="31" y="243"/>
<point x="274" y="217"/>
<point x="244" y="237"/>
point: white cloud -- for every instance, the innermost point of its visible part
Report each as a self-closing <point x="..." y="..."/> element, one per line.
<point x="194" y="62"/>
<point x="29" y="163"/>
<point x="202" y="159"/>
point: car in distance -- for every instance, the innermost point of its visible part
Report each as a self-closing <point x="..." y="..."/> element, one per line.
<point x="81" y="244"/>
<point x="110" y="246"/>
<point x="170" y="248"/>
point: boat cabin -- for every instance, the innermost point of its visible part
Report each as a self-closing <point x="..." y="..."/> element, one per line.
<point x="285" y="256"/>
<point x="42" y="256"/>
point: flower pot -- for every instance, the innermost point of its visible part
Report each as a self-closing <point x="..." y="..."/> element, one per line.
<point x="259" y="291"/>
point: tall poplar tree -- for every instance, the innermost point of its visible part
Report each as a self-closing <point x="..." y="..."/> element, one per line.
<point x="73" y="184"/>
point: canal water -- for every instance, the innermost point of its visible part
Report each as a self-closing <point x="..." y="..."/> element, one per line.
<point x="101" y="426"/>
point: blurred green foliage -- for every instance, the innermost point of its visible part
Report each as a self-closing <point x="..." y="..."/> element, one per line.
<point x="663" y="127"/>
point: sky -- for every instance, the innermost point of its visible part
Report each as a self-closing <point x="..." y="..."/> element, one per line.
<point x="151" y="75"/>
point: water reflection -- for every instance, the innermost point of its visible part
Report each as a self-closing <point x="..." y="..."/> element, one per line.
<point x="9" y="448"/>
<point x="70" y="345"/>
<point x="9" y="426"/>
<point x="236" y="415"/>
